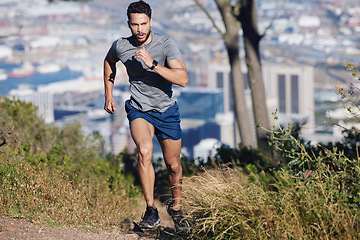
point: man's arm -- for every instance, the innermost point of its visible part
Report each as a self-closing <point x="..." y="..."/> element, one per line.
<point x="109" y="79"/>
<point x="176" y="73"/>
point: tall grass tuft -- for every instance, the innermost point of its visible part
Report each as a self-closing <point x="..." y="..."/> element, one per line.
<point x="224" y="206"/>
<point x="313" y="197"/>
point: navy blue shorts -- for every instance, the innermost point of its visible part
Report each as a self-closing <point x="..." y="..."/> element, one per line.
<point x="166" y="124"/>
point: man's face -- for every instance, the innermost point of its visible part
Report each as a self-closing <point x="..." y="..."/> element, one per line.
<point x="140" y="26"/>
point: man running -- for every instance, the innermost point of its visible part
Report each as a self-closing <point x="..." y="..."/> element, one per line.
<point x="153" y="63"/>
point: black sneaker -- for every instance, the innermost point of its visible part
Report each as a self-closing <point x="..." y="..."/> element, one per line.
<point x="182" y="225"/>
<point x="150" y="219"/>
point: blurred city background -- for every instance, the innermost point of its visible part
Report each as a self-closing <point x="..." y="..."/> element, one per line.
<point x="51" y="54"/>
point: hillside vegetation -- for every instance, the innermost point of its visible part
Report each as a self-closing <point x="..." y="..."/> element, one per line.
<point x="313" y="192"/>
<point x="61" y="177"/>
<point x="58" y="176"/>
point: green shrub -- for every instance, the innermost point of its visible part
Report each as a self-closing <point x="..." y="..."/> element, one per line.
<point x="313" y="194"/>
<point x="303" y="204"/>
<point x="58" y="176"/>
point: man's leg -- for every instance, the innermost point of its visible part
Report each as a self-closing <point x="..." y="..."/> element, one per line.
<point x="171" y="152"/>
<point x="142" y="133"/>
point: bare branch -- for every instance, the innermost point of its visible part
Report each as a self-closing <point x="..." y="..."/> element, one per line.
<point x="209" y="16"/>
<point x="272" y="20"/>
<point x="340" y="126"/>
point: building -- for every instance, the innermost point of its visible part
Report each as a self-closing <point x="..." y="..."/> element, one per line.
<point x="289" y="92"/>
<point x="199" y="103"/>
<point x="42" y="100"/>
<point x="219" y="77"/>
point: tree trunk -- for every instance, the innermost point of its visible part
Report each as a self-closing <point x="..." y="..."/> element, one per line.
<point x="248" y="20"/>
<point x="231" y="39"/>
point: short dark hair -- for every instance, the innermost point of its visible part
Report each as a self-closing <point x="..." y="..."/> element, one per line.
<point x="139" y="7"/>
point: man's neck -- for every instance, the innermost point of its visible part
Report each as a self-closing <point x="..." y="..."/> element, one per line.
<point x="138" y="44"/>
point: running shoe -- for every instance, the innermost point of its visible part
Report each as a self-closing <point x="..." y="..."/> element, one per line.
<point x="150" y="219"/>
<point x="182" y="225"/>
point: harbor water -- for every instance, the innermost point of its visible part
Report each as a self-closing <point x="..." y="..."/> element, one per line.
<point x="34" y="80"/>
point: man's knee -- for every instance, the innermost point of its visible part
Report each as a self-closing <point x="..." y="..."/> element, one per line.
<point x="145" y="152"/>
<point x="174" y="167"/>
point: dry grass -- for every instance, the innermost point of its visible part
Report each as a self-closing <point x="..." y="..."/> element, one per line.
<point x="58" y="176"/>
<point x="224" y="205"/>
<point x="48" y="196"/>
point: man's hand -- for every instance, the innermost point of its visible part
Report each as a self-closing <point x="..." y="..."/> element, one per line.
<point x="175" y="73"/>
<point x="110" y="105"/>
<point x="145" y="56"/>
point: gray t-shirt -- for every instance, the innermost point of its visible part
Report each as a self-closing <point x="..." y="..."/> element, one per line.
<point x="149" y="91"/>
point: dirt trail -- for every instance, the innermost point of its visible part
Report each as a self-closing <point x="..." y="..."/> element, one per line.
<point x="20" y="228"/>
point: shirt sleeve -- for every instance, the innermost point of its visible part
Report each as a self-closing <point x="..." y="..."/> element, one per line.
<point x="112" y="53"/>
<point x="171" y="51"/>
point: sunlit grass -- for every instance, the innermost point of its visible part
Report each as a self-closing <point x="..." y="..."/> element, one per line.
<point x="225" y="205"/>
<point x="59" y="176"/>
<point x="48" y="196"/>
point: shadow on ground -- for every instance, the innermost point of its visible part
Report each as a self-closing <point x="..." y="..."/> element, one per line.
<point x="161" y="232"/>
